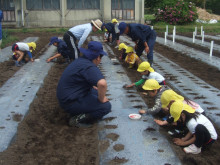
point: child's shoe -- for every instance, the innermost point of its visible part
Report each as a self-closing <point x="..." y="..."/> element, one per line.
<point x="192" y="149"/>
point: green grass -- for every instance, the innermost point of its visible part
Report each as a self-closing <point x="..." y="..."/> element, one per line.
<point x="7" y="40"/>
<point x="149" y="17"/>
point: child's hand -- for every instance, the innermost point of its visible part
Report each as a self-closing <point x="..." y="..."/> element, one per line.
<point x="178" y="141"/>
<point x="159" y="122"/>
<point x="129" y="86"/>
<point x="142" y="111"/>
<point x="48" y="60"/>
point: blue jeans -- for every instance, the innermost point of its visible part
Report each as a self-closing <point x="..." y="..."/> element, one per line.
<point x="89" y="104"/>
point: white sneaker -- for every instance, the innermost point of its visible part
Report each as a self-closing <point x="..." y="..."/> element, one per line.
<point x="116" y="47"/>
<point x="192" y="149"/>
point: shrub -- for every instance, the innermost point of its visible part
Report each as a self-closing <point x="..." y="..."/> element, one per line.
<point x="180" y="13"/>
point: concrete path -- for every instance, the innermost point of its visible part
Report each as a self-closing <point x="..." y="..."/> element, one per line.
<point x="6" y="53"/>
<point x="17" y="94"/>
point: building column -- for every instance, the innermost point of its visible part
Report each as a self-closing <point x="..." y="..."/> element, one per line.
<point x="62" y="10"/>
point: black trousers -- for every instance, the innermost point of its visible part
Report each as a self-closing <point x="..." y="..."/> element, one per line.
<point x="70" y="40"/>
<point x="202" y="135"/>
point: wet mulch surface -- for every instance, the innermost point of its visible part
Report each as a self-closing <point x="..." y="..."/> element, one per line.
<point x="44" y="137"/>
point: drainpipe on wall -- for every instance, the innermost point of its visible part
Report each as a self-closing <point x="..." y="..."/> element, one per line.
<point x="22" y="13"/>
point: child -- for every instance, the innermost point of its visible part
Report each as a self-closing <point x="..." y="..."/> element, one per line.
<point x="107" y="36"/>
<point x="111" y="30"/>
<point x="131" y="57"/>
<point x="154" y="90"/>
<point x="201" y="131"/>
<point x="117" y="31"/>
<point x="122" y="47"/>
<point x="20" y="50"/>
<point x="62" y="50"/>
<point x="167" y="98"/>
<point x="147" y="73"/>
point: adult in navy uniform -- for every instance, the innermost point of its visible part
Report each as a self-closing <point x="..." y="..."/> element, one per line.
<point x="62" y="50"/>
<point x="143" y="36"/>
<point x="81" y="90"/>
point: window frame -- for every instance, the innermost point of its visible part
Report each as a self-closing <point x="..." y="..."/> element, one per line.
<point x="120" y="12"/>
<point x="96" y="7"/>
<point x="43" y="5"/>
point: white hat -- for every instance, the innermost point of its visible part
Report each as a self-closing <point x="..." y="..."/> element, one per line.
<point x="97" y="23"/>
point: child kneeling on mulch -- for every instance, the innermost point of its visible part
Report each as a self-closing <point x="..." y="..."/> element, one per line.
<point x="147" y="72"/>
<point x="122" y="48"/>
<point x="21" y="50"/>
<point x="132" y="59"/>
<point x="154" y="90"/>
<point x="201" y="131"/>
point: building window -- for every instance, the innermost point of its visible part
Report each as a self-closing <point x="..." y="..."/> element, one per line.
<point x="43" y="4"/>
<point x="8" y="9"/>
<point x="123" y="9"/>
<point x="83" y="4"/>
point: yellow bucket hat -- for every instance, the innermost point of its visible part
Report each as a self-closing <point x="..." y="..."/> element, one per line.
<point x="32" y="44"/>
<point x="151" y="84"/>
<point x="177" y="107"/>
<point x="145" y="66"/>
<point x="122" y="46"/>
<point x="169" y="95"/>
<point x="129" y="49"/>
<point x="114" y="20"/>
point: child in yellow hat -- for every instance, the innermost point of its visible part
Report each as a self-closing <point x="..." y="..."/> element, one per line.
<point x="201" y="131"/>
<point x="154" y="90"/>
<point x="167" y="98"/>
<point x="21" y="50"/>
<point x="147" y="72"/>
<point x="122" y="48"/>
<point x="131" y="57"/>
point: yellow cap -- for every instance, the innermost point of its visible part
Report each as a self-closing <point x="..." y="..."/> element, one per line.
<point x="151" y="84"/>
<point x="114" y="20"/>
<point x="169" y="95"/>
<point x="32" y="44"/>
<point x="177" y="107"/>
<point x="122" y="46"/>
<point x="145" y="66"/>
<point x="129" y="49"/>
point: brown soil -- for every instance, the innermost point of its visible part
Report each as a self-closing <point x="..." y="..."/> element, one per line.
<point x="44" y="137"/>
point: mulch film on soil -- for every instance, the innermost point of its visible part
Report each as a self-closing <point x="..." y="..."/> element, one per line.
<point x="44" y="137"/>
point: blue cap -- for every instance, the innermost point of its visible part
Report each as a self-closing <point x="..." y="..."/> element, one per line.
<point x="94" y="50"/>
<point x="122" y="26"/>
<point x="53" y="39"/>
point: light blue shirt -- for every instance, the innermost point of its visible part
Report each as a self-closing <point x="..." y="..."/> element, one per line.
<point x="81" y="32"/>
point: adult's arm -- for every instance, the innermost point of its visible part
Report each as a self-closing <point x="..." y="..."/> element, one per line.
<point x="102" y="88"/>
<point x="83" y="38"/>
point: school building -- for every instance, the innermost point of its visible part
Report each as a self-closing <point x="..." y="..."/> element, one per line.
<point x="67" y="13"/>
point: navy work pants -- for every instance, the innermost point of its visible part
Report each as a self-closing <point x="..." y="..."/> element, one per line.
<point x="89" y="105"/>
<point x="150" y="41"/>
